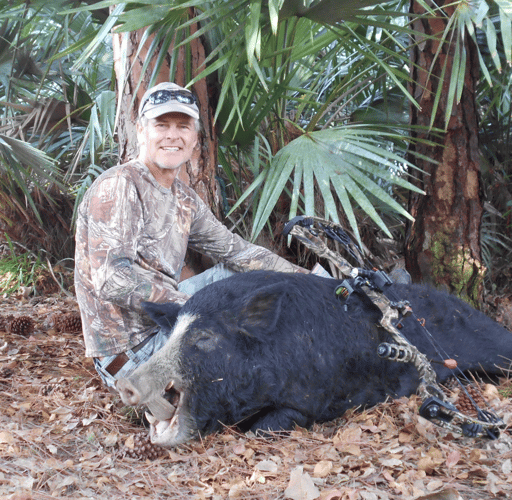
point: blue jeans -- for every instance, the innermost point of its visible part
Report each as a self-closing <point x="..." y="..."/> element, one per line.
<point x="141" y="353"/>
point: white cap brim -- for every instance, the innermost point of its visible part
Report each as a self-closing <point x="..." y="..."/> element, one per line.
<point x="154" y="110"/>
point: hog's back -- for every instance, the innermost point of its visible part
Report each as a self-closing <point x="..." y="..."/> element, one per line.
<point x="321" y="357"/>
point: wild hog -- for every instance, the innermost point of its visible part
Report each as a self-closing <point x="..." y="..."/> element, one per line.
<point x="267" y="350"/>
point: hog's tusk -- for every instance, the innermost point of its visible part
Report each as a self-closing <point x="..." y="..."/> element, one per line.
<point x="150" y="418"/>
<point x="160" y="408"/>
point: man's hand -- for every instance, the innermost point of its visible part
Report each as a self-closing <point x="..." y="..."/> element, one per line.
<point x="320" y="271"/>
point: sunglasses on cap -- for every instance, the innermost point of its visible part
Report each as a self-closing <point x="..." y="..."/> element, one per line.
<point x="163" y="96"/>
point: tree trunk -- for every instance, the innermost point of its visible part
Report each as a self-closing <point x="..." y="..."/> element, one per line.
<point x="200" y="172"/>
<point x="443" y="244"/>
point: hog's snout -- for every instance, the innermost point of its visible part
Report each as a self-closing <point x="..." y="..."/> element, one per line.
<point x="158" y="406"/>
<point x="129" y="393"/>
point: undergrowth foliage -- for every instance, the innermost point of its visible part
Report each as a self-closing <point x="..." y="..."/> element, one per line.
<point x="17" y="271"/>
<point x="47" y="229"/>
<point x="27" y="273"/>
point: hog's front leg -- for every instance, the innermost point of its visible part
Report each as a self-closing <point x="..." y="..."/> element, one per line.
<point x="278" y="420"/>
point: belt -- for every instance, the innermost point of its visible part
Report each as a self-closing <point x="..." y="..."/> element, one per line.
<point x="117" y="363"/>
<point x="121" y="359"/>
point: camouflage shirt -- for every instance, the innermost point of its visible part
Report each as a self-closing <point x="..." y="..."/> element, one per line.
<point x="131" y="239"/>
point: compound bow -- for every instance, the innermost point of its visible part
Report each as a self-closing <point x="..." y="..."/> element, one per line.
<point x="372" y="285"/>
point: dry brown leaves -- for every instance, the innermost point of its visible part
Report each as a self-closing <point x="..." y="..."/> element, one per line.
<point x="63" y="435"/>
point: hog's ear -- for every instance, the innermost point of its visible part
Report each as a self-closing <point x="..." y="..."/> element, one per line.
<point x="163" y="315"/>
<point x="261" y="311"/>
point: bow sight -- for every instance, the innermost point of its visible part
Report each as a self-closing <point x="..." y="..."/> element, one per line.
<point x="372" y="286"/>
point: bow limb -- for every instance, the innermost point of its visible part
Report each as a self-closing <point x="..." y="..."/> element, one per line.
<point x="318" y="246"/>
<point x="428" y="384"/>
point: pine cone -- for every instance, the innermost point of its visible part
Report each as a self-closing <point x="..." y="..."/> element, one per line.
<point x="143" y="448"/>
<point x="465" y="405"/>
<point x="68" y="322"/>
<point x="22" y="325"/>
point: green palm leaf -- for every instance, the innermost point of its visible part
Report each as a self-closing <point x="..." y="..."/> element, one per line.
<point x="354" y="162"/>
<point x="25" y="166"/>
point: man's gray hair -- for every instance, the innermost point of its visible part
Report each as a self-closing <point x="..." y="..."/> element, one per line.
<point x="143" y="120"/>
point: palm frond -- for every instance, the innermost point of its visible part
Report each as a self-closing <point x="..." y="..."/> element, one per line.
<point x="352" y="162"/>
<point x="25" y="167"/>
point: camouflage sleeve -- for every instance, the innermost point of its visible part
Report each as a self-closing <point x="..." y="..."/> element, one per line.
<point x="211" y="237"/>
<point x="118" y="273"/>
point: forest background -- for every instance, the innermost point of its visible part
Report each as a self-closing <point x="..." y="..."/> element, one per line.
<point x="392" y="118"/>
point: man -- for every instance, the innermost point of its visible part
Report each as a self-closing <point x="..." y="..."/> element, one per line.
<point x="133" y="229"/>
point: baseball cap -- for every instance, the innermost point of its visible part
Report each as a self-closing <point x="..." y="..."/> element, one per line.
<point x="168" y="97"/>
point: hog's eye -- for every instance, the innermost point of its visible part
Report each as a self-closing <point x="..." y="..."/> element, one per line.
<point x="206" y="341"/>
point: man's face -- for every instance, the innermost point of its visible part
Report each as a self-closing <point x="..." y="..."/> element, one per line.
<point x="167" y="141"/>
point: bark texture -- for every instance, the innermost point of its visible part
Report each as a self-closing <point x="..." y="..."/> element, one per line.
<point x="200" y="172"/>
<point x="443" y="244"/>
<point x="130" y="56"/>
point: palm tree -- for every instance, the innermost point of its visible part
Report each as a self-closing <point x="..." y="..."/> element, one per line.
<point x="56" y="127"/>
<point x="308" y="98"/>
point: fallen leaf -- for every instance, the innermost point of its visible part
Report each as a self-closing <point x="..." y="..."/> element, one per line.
<point x="405" y="437"/>
<point x="237" y="490"/>
<point x="492" y="484"/>
<point x="266" y="466"/>
<point x="89" y="420"/>
<point x="390" y="462"/>
<point x="6" y="438"/>
<point x="301" y="486"/>
<point x="447" y="494"/>
<point x="434" y="485"/>
<point x="323" y="468"/>
<point x="130" y="442"/>
<point x="426" y="464"/>
<point x="111" y="439"/>
<point x="490" y="392"/>
<point x="52" y="448"/>
<point x="350" y="448"/>
<point x="368" y="495"/>
<point x="239" y="449"/>
<point x="452" y="459"/>
<point x="347" y="435"/>
<point x="330" y="495"/>
<point x="476" y="455"/>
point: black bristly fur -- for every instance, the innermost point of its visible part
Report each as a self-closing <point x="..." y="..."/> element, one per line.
<point x="274" y="350"/>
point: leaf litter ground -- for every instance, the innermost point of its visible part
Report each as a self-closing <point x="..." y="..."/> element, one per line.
<point x="62" y="435"/>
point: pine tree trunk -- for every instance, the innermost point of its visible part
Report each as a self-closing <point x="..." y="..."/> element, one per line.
<point x="443" y="244"/>
<point x="200" y="172"/>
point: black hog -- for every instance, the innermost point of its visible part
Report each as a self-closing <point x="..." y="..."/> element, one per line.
<point x="269" y="351"/>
